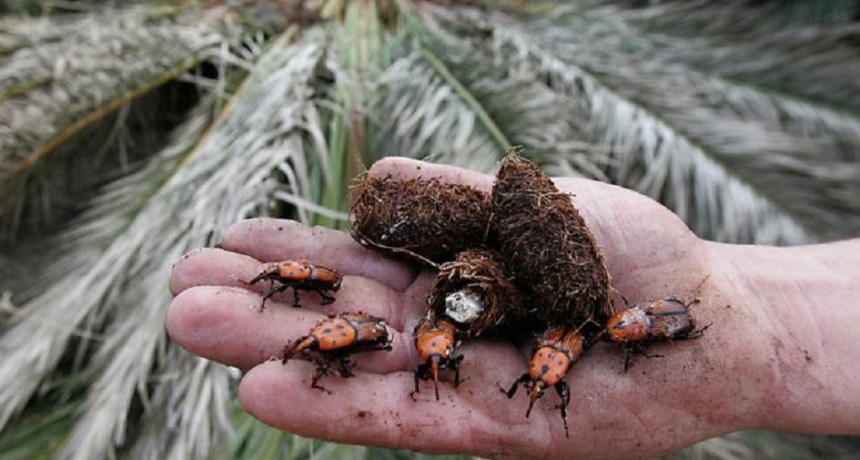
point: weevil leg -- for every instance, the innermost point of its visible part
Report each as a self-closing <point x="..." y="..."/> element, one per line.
<point x="628" y="356"/>
<point x="322" y="369"/>
<point x="420" y="374"/>
<point x="344" y="367"/>
<point x="326" y="298"/>
<point x="697" y="333"/>
<point x="513" y="389"/>
<point x="644" y="352"/>
<point x="454" y="364"/>
<point x="296" y="298"/>
<point x="272" y="291"/>
<point x="385" y="346"/>
<point x="563" y="391"/>
<point x="636" y="348"/>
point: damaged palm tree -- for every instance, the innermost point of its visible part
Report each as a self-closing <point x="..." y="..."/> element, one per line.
<point x="548" y="246"/>
<point x="477" y="292"/>
<point x="398" y="218"/>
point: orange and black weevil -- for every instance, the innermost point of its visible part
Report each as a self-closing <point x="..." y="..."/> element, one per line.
<point x="644" y="323"/>
<point x="554" y="352"/>
<point x="299" y="275"/>
<point x="436" y="340"/>
<point x="331" y="341"/>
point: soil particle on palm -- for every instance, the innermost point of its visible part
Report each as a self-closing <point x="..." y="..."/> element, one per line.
<point x="477" y="291"/>
<point x="422" y="220"/>
<point x="548" y="247"/>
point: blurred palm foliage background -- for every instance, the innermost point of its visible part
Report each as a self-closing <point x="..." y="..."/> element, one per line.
<point x="133" y="132"/>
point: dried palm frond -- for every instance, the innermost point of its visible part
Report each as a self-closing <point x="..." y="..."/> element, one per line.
<point x="72" y="73"/>
<point x="188" y="414"/>
<point x="225" y="179"/>
<point x="738" y="20"/>
<point x="213" y="182"/>
<point x="80" y="282"/>
<point x="423" y="117"/>
<point x="457" y="105"/>
<point x="732" y="174"/>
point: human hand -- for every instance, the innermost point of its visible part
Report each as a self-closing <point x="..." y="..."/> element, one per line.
<point x="698" y="389"/>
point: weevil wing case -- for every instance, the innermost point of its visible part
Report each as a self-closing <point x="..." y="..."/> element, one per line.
<point x="565" y="339"/>
<point x="371" y="329"/>
<point x="334" y="334"/>
<point x="293" y="270"/>
<point x="573" y="342"/>
<point x="669" y="318"/>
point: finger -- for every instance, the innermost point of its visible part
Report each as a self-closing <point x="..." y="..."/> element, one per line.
<point x="225" y="324"/>
<point x="407" y="168"/>
<point x="272" y="240"/>
<point x="475" y="418"/>
<point x="214" y="267"/>
<point x="217" y="267"/>
<point x="634" y="415"/>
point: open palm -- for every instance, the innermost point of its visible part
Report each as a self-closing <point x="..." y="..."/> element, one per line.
<point x="659" y="405"/>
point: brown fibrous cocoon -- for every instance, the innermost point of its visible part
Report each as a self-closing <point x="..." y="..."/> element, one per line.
<point x="548" y="247"/>
<point x="422" y="220"/>
<point x="478" y="285"/>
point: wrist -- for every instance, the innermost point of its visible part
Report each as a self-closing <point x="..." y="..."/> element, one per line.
<point x="799" y="307"/>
